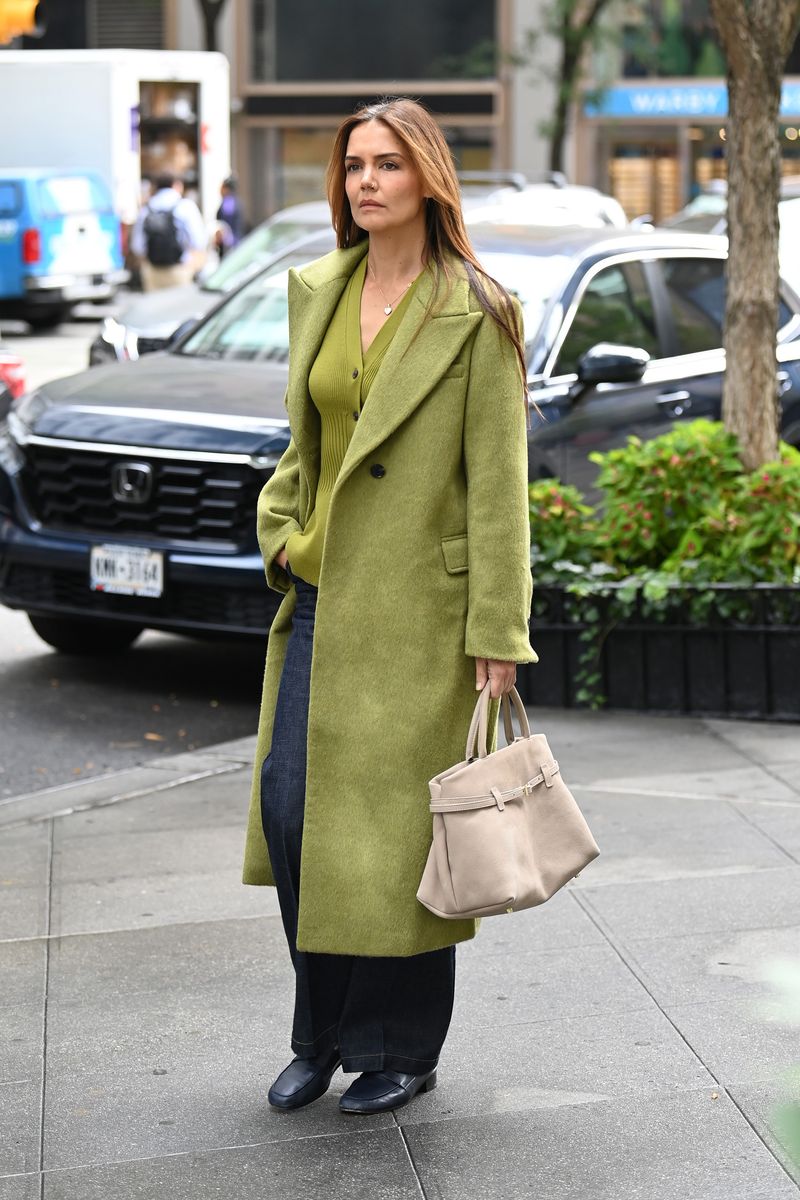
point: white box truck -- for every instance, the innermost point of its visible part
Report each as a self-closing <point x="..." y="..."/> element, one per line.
<point x="125" y="114"/>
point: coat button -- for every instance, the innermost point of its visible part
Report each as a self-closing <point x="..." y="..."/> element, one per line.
<point x="377" y="470"/>
<point x="355" y="372"/>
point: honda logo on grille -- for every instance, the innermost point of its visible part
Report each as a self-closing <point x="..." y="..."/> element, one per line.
<point x="131" y="483"/>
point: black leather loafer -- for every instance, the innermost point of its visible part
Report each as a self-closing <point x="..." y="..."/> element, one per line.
<point x="303" y="1081"/>
<point x="380" y="1091"/>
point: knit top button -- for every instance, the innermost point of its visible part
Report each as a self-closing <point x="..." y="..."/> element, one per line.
<point x="355" y="415"/>
<point x="355" y="372"/>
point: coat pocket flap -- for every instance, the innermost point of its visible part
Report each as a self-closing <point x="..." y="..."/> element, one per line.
<point x="455" y="552"/>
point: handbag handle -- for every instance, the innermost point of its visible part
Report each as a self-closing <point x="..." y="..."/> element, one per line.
<point x="479" y="725"/>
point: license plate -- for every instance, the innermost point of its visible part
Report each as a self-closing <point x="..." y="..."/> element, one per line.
<point x="126" y="571"/>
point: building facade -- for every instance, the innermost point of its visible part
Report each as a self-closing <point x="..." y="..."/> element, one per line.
<point x="652" y="133"/>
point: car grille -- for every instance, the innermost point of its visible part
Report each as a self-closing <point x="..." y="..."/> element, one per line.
<point x="195" y="606"/>
<point x="206" y="503"/>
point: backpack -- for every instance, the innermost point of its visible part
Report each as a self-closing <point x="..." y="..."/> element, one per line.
<point x="164" y="247"/>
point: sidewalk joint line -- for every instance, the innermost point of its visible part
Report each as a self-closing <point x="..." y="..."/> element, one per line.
<point x="623" y="789"/>
<point x="410" y="1157"/>
<point x="767" y="836"/>
<point x="62" y="937"/>
<point x="637" y="973"/>
<point x="45" y="1002"/>
<point x="720" y="735"/>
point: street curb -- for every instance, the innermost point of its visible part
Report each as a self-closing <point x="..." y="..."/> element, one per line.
<point x="103" y="790"/>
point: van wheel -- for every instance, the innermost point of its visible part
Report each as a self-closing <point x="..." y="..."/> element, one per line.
<point x="72" y="636"/>
<point x="48" y="318"/>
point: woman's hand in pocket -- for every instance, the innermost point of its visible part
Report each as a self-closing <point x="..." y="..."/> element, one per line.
<point x="282" y="558"/>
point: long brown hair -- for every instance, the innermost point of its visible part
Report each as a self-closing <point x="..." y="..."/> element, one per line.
<point x="445" y="231"/>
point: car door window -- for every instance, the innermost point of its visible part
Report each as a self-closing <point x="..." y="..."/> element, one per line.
<point x="696" y="293"/>
<point x="615" y="307"/>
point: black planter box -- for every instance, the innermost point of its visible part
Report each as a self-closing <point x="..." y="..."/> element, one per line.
<point x="747" y="666"/>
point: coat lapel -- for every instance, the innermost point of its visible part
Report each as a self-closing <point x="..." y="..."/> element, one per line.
<point x="420" y="352"/>
<point x="313" y="296"/>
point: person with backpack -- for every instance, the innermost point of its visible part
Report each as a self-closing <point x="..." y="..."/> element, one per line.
<point x="169" y="236"/>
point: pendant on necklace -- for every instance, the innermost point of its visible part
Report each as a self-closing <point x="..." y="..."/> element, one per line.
<point x="388" y="310"/>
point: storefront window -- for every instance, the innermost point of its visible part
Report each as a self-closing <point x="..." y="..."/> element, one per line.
<point x="287" y="165"/>
<point x="302" y="40"/>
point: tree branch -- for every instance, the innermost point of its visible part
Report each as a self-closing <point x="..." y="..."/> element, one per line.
<point x="732" y="20"/>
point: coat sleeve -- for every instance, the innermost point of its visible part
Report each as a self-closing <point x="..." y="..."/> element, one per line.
<point x="498" y="525"/>
<point x="279" y="515"/>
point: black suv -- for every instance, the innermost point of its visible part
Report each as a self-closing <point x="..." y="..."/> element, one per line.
<point x="128" y="492"/>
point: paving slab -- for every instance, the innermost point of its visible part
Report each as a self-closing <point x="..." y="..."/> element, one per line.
<point x="527" y="1068"/>
<point x="123" y="867"/>
<point x="761" y="741"/>
<point x="698" y="968"/>
<point x="166" y="881"/>
<point x="166" y="1040"/>
<point x="20" y="1187"/>
<point x="24" y="881"/>
<point x="706" y="781"/>
<point x="561" y="924"/>
<point x="762" y="1104"/>
<point x="20" y="1087"/>
<point x="735" y="1041"/>
<point x="602" y="746"/>
<point x="105" y="789"/>
<point x="534" y="986"/>
<point x="22" y="971"/>
<point x="781" y="822"/>
<point x="208" y="803"/>
<point x="362" y="1165"/>
<point x="701" y="904"/>
<point x="644" y="837"/>
<point x="647" y="1148"/>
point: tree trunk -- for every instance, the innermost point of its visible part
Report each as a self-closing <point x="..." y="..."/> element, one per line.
<point x="750" y="402"/>
<point x="756" y="38"/>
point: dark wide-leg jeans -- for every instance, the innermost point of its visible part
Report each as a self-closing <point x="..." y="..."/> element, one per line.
<point x="382" y="1013"/>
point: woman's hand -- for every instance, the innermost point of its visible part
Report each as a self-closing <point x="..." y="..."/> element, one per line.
<point x="281" y="558"/>
<point x="501" y="675"/>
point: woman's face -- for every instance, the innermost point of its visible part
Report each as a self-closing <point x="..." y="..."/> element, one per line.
<point x="382" y="184"/>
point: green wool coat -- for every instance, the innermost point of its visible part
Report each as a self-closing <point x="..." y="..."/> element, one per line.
<point x="426" y="566"/>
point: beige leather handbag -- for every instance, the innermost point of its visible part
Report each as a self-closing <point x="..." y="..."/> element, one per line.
<point x="507" y="833"/>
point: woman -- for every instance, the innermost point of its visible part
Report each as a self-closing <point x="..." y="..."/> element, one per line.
<point x="397" y="524"/>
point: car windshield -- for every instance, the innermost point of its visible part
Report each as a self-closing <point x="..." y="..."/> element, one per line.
<point x="531" y="278"/>
<point x="256" y="250"/>
<point x="253" y="324"/>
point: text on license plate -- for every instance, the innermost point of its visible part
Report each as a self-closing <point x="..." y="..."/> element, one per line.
<point x="126" y="571"/>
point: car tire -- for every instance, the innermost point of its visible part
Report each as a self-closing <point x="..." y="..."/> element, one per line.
<point x="73" y="636"/>
<point x="48" y="318"/>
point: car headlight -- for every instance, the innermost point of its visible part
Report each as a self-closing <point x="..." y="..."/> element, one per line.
<point x="11" y="457"/>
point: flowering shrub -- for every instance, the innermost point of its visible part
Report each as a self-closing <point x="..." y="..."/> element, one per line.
<point x="679" y="514"/>
<point x="563" y="527"/>
<point x="653" y="491"/>
<point x="680" y="506"/>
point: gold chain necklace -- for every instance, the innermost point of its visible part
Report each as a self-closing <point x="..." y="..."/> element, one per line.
<point x="389" y="309"/>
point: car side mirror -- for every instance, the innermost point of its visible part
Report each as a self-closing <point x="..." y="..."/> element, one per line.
<point x="607" y="363"/>
<point x="183" y="329"/>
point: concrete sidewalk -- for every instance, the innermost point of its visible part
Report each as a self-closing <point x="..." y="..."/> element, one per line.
<point x="608" y="1046"/>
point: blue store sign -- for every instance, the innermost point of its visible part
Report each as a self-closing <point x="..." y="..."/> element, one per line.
<point x="668" y="100"/>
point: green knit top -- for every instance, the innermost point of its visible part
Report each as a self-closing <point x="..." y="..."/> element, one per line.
<point x="339" y="383"/>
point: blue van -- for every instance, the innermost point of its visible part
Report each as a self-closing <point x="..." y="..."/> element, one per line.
<point x="60" y="243"/>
